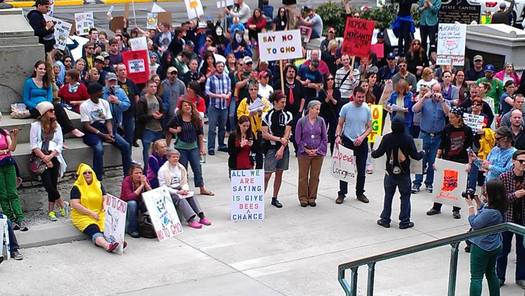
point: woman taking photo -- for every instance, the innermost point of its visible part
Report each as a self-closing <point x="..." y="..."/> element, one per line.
<point x="46" y="144"/>
<point x="9" y="199"/>
<point x="485" y="249"/>
<point x="88" y="197"/>
<point x="312" y="140"/>
<point x="187" y="130"/>
<point x="73" y="93"/>
<point x="37" y="89"/>
<point x="155" y="161"/>
<point x="240" y="144"/>
<point x="330" y="96"/>
<point x="131" y="191"/>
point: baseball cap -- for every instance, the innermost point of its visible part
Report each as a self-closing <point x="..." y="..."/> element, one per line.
<point x="99" y="58"/>
<point x="391" y="56"/>
<point x="172" y="69"/>
<point x="111" y="76"/>
<point x="490" y="68"/>
<point x="105" y="54"/>
<point x="247" y="60"/>
<point x="477" y="58"/>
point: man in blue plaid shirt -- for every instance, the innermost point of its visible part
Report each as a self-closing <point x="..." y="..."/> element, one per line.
<point x="218" y="91"/>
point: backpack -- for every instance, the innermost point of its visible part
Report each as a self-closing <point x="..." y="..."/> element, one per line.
<point x="146" y="228"/>
<point x="397" y="165"/>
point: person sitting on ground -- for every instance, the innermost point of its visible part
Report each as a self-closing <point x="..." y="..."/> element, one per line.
<point x="88" y="197"/>
<point x="155" y="161"/>
<point x="73" y="93"/>
<point x="47" y="144"/>
<point x="13" y="243"/>
<point x="131" y="192"/>
<point x="37" y="89"/>
<point x="173" y="175"/>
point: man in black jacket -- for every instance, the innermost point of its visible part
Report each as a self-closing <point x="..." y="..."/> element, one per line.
<point x="504" y="14"/>
<point x="43" y="29"/>
<point x="398" y="147"/>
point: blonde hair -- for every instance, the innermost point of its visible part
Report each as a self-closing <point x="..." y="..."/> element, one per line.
<point x="427" y="73"/>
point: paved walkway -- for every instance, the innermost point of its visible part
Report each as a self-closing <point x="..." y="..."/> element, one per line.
<point x="295" y="251"/>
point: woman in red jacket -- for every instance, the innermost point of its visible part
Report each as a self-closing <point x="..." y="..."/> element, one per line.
<point x="131" y="192"/>
<point x="73" y="93"/>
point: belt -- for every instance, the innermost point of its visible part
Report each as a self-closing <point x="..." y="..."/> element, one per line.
<point x="431" y="134"/>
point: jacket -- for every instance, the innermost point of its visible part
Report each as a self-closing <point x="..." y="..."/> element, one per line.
<point x="515" y="77"/>
<point x="256" y="119"/>
<point x="487" y="141"/>
<point x="38" y="23"/>
<point x="142" y="115"/>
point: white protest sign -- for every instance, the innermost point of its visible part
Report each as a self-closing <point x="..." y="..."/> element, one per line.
<point x="152" y="20"/>
<point x="450" y="181"/>
<point x="247" y="195"/>
<point x="194" y="8"/>
<point x="115" y="222"/>
<point x="84" y="21"/>
<point x="280" y="45"/>
<point x="62" y="30"/>
<point x="343" y="164"/>
<point x="139" y="43"/>
<point x="475" y="122"/>
<point x="4" y="234"/>
<point x="156" y="8"/>
<point x="451" y="44"/>
<point x="162" y="212"/>
<point x="77" y="52"/>
<point x="416" y="166"/>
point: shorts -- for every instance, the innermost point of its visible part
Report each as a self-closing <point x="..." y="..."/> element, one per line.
<point x="93" y="231"/>
<point x="271" y="164"/>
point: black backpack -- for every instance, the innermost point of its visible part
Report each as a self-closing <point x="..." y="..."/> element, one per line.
<point x="146" y="228"/>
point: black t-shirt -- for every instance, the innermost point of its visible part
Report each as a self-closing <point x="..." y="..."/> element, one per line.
<point x="473" y="75"/>
<point x="131" y="90"/>
<point x="298" y="94"/>
<point x="277" y="121"/>
<point x="455" y="142"/>
<point x="190" y="133"/>
<point x="75" y="193"/>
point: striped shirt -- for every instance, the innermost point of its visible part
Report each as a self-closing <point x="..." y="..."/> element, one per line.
<point x="347" y="86"/>
<point x="218" y="84"/>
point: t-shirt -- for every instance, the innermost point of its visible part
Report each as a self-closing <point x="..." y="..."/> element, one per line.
<point x="317" y="26"/>
<point x="131" y="90"/>
<point x="277" y="121"/>
<point x="75" y="193"/>
<point x="91" y="112"/>
<point x="356" y="119"/>
<point x="153" y="106"/>
<point x="189" y="134"/>
<point x="314" y="76"/>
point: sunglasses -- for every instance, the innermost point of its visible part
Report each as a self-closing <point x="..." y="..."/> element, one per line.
<point x="255" y="89"/>
<point x="51" y="110"/>
<point x="88" y="173"/>
<point x="521" y="161"/>
<point x="330" y="78"/>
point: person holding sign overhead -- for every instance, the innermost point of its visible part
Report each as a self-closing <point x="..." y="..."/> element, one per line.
<point x="355" y="123"/>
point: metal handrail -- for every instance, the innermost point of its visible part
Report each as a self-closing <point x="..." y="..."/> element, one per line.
<point x="351" y="288"/>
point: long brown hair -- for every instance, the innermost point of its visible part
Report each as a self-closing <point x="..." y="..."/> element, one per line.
<point x="195" y="116"/>
<point x="45" y="79"/>
<point x="49" y="125"/>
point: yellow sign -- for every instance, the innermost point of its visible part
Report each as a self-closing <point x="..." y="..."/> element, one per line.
<point x="377" y="122"/>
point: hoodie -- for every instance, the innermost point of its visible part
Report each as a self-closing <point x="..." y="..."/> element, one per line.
<point x="38" y="23"/>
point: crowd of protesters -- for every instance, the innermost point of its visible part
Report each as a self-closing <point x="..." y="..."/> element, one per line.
<point x="210" y="72"/>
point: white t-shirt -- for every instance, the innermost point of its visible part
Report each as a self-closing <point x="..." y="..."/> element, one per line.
<point x="265" y="91"/>
<point x="91" y="112"/>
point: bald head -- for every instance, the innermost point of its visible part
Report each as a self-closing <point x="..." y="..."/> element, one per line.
<point x="516" y="118"/>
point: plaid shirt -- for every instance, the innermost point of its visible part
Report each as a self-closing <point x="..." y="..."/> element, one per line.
<point x="218" y="85"/>
<point x="512" y="183"/>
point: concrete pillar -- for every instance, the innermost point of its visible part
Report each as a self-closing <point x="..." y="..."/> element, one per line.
<point x="19" y="50"/>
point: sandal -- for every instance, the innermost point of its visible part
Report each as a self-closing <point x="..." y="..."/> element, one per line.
<point x="207" y="192"/>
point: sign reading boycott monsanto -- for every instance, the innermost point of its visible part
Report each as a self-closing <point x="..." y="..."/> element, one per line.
<point x="377" y="122"/>
<point x="247" y="195"/>
<point x="280" y="45"/>
<point x="343" y="164"/>
<point x="357" y="37"/>
<point x="137" y="65"/>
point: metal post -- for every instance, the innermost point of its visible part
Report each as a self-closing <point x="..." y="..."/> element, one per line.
<point x="452" y="273"/>
<point x="353" y="282"/>
<point x="370" y="284"/>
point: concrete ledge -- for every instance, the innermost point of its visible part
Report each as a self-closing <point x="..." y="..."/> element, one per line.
<point x="27" y="4"/>
<point x="49" y="234"/>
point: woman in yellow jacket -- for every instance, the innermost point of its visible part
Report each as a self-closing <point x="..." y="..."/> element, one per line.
<point x="255" y="113"/>
<point x="87" y="200"/>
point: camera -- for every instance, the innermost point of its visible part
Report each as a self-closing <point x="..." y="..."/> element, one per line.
<point x="468" y="194"/>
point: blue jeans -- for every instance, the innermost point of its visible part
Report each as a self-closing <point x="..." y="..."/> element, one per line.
<point x="430" y="146"/>
<point x="132" y="215"/>
<point x="360" y="153"/>
<point x="128" y="124"/>
<point x="216" y="117"/>
<point x="194" y="157"/>
<point x="148" y="137"/>
<point x="232" y="118"/>
<point x="501" y="265"/>
<point x="390" y="184"/>
<point x="96" y="143"/>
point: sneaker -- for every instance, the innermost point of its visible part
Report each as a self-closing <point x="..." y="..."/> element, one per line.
<point x="303" y="203"/>
<point x="15" y="226"/>
<point x="134" y="234"/>
<point x="429" y="188"/>
<point x="223" y="149"/>
<point x="65" y="210"/>
<point x="17" y="256"/>
<point x="112" y="247"/>
<point x="416" y="188"/>
<point x="362" y="198"/>
<point x="211" y="152"/>
<point x="433" y="212"/>
<point x="467" y="249"/>
<point x="312" y="203"/>
<point x="407" y="225"/>
<point x="52" y="216"/>
<point x="205" y="221"/>
<point x="194" y="224"/>
<point x="23" y="226"/>
<point x="456" y="215"/>
<point x="340" y="199"/>
<point x="380" y="222"/>
<point x="276" y="203"/>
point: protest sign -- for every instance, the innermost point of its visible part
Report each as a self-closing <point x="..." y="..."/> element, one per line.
<point x="280" y="45"/>
<point x="377" y="122"/>
<point x="162" y="213"/>
<point x="155" y="8"/>
<point x="139" y="43"/>
<point x="83" y="22"/>
<point x="62" y="30"/>
<point x="164" y="18"/>
<point x="77" y="51"/>
<point x="475" y="122"/>
<point x="450" y="181"/>
<point x="117" y="23"/>
<point x="136" y="62"/>
<point x="247" y="195"/>
<point x="194" y="8"/>
<point x="115" y="222"/>
<point x="357" y="37"/>
<point x="343" y="164"/>
<point x="461" y="11"/>
<point x="4" y="238"/>
<point x="378" y="49"/>
<point x="416" y="166"/>
<point x="151" y="20"/>
<point x="451" y="44"/>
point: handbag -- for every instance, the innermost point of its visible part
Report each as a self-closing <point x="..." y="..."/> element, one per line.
<point x="37" y="165"/>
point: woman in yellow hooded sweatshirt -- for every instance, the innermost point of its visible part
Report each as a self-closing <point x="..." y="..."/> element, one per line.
<point x="87" y="200"/>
